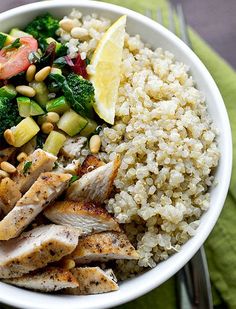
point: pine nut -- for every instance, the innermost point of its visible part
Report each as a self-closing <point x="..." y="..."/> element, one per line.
<point x="66" y="24"/>
<point x="68" y="264"/>
<point x="8" y="167"/>
<point x="47" y="127"/>
<point x="26" y="91"/>
<point x="9" y="137"/>
<point x="3" y="174"/>
<point x="42" y="74"/>
<point x="79" y="33"/>
<point x="30" y="73"/>
<point x="21" y="157"/>
<point x="95" y="143"/>
<point x="52" y="117"/>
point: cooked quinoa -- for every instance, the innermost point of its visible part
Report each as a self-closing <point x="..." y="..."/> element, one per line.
<point x="166" y="140"/>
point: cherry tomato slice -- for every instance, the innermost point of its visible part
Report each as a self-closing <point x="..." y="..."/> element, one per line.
<point x="16" y="60"/>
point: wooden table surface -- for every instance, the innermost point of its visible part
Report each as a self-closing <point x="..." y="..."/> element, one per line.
<point x="214" y="20"/>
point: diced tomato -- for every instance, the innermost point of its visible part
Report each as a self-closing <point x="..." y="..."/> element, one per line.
<point x="16" y="60"/>
<point x="80" y="67"/>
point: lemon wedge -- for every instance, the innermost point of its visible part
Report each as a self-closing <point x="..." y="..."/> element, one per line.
<point x="105" y="64"/>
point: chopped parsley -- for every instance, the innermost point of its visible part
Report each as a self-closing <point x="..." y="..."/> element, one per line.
<point x="14" y="44"/>
<point x="56" y="165"/>
<point x="73" y="179"/>
<point x="27" y="166"/>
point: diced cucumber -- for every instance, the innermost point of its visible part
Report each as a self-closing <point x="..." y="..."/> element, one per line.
<point x="24" y="131"/>
<point x="35" y="109"/>
<point x="51" y="40"/>
<point x="60" y="48"/>
<point x="56" y="71"/>
<point x="8" y="91"/>
<point x="54" y="142"/>
<point x="89" y="129"/>
<point x="58" y="105"/>
<point x="5" y="39"/>
<point x="71" y="123"/>
<point x="41" y="96"/>
<point x="17" y="33"/>
<point x="23" y="106"/>
<point x="28" y="107"/>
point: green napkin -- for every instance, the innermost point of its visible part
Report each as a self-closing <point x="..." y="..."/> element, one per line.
<point x="221" y="244"/>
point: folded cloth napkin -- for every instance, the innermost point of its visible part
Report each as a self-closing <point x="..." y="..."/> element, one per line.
<point x="221" y="244"/>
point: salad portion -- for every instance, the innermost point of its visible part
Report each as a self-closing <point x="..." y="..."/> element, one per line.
<point x="47" y="94"/>
<point x="52" y="109"/>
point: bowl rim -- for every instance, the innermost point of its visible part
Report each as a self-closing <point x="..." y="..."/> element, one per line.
<point x="151" y="282"/>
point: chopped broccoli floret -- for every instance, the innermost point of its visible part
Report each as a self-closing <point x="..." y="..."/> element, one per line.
<point x="43" y="26"/>
<point x="83" y="93"/>
<point x="9" y="115"/>
<point x="61" y="50"/>
<point x="78" y="92"/>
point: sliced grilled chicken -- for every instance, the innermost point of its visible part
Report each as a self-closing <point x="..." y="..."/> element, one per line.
<point x="89" y="217"/>
<point x="96" y="185"/>
<point x="6" y="154"/>
<point x="90" y="163"/>
<point x="73" y="146"/>
<point x="46" y="280"/>
<point x="35" y="249"/>
<point x="30" y="169"/>
<point x="9" y="195"/>
<point x="45" y="189"/>
<point x="93" y="280"/>
<point x="70" y="168"/>
<point x="103" y="247"/>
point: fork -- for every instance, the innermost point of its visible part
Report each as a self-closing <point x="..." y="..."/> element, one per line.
<point x="192" y="281"/>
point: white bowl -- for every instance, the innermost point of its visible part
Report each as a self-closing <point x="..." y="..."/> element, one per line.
<point x="155" y="35"/>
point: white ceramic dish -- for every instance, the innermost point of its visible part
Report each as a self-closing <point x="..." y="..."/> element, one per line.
<point x="156" y="35"/>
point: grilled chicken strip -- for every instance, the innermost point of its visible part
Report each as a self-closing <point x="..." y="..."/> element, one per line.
<point x="89" y="217"/>
<point x="6" y="154"/>
<point x="73" y="146"/>
<point x="35" y="249"/>
<point x="96" y="185"/>
<point x="30" y="169"/>
<point x="103" y="247"/>
<point x="90" y="163"/>
<point x="93" y="280"/>
<point x="9" y="195"/>
<point x="46" y="280"/>
<point x="46" y="188"/>
<point x="75" y="167"/>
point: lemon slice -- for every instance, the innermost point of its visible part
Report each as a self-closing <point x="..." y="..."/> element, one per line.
<point x="105" y="64"/>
